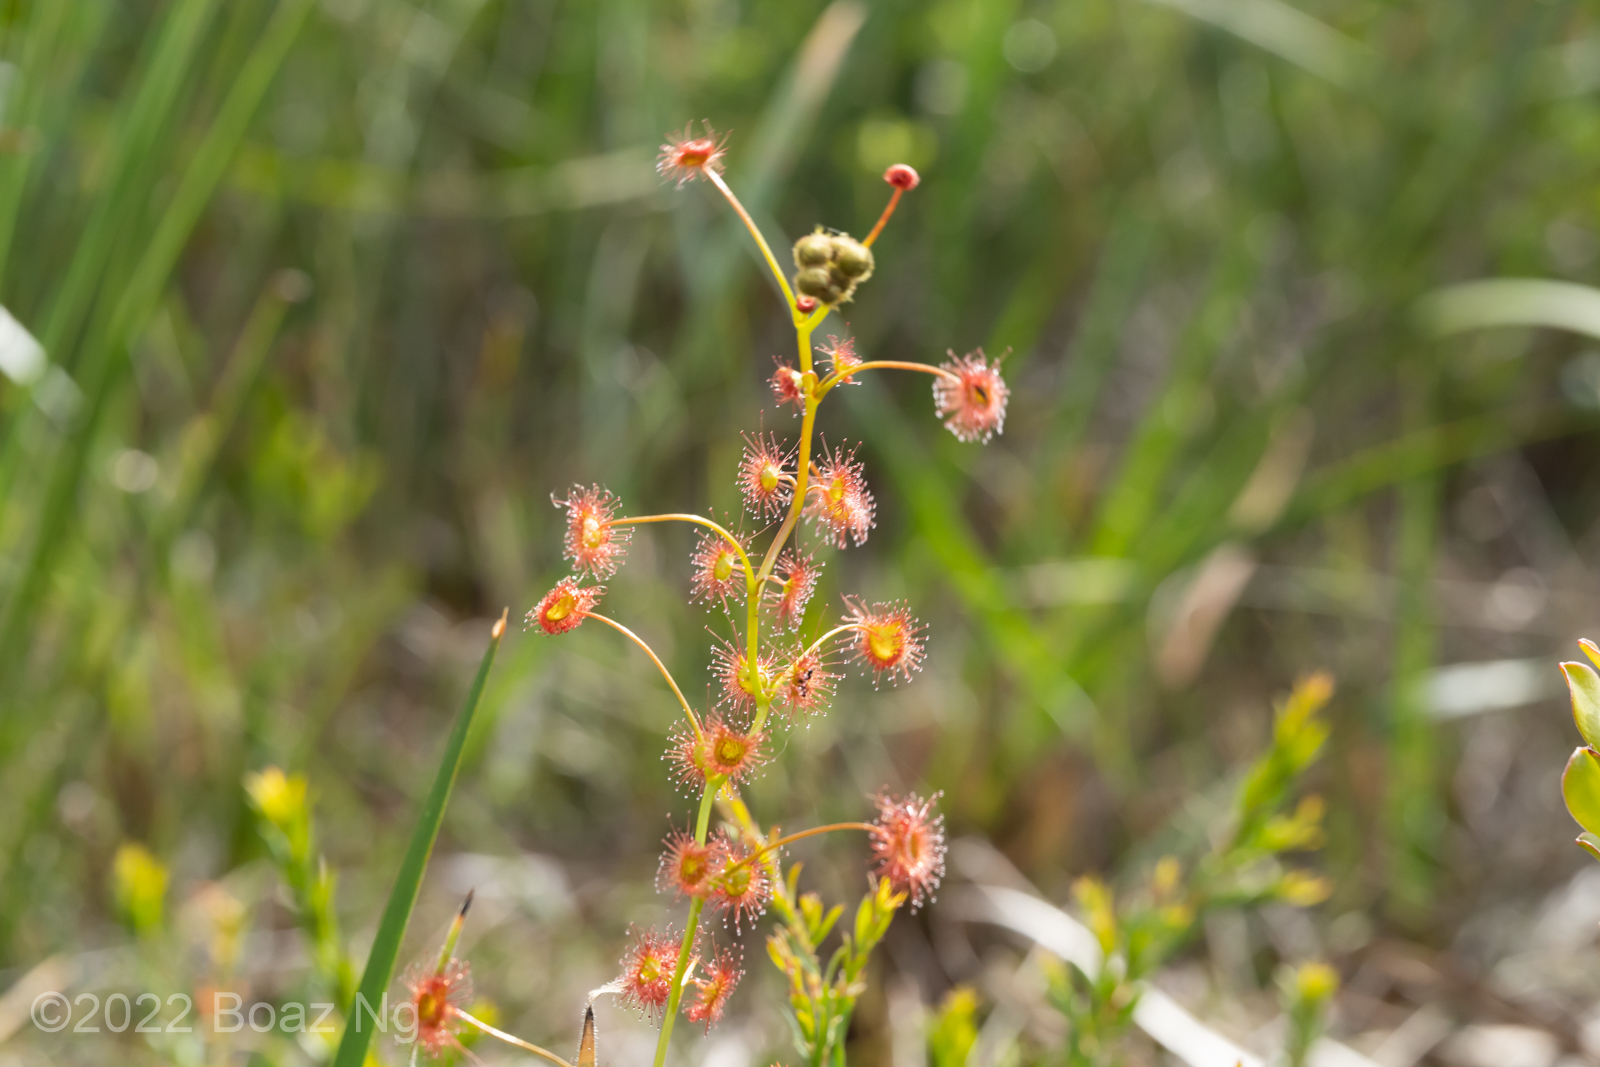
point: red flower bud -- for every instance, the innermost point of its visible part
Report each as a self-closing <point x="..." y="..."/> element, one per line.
<point x="902" y="176"/>
<point x="686" y="156"/>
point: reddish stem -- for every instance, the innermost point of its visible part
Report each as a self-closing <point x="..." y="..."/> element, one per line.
<point x="894" y="199"/>
<point x="636" y="639"/>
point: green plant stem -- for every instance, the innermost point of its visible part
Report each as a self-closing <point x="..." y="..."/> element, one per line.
<point x="802" y="475"/>
<point x="397" y="912"/>
<point x="749" y="224"/>
<point x="883" y="219"/>
<point x="453" y="936"/>
<point x="831" y="634"/>
<point x="512" y="1039"/>
<point x="881" y="364"/>
<point x="749" y="571"/>
<point x="702" y="827"/>
<point x="796" y="506"/>
<point x="137" y="302"/>
<point x="815" y="831"/>
<point x="753" y="585"/>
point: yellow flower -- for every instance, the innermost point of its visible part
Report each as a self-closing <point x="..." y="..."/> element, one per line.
<point x="139" y="883"/>
<point x="1304" y="889"/>
<point x="1315" y="982"/>
<point x="280" y="798"/>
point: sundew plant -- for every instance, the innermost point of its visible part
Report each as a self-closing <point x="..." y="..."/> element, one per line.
<point x="769" y="675"/>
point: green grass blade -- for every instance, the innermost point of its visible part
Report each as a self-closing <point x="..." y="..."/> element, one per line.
<point x="205" y="171"/>
<point x="138" y="301"/>
<point x="397" y="912"/>
<point x="1111" y="303"/>
<point x="1288" y="33"/>
<point x="1511" y="302"/>
<point x="45" y="29"/>
<point x="1134" y="498"/>
<point x="149" y="110"/>
<point x="1056" y="695"/>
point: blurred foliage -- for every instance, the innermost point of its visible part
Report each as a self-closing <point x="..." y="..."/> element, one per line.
<point x="140" y="883"/>
<point x="285" y="823"/>
<point x="333" y="294"/>
<point x="1307" y="991"/>
<point x="1140" y="933"/>
<point x="953" y="1029"/>
<point x="822" y="998"/>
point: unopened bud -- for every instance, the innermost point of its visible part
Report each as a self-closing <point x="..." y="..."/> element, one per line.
<point x="853" y="258"/>
<point x="813" y="250"/>
<point x="1316" y="983"/>
<point x="815" y="282"/>
<point x="280" y="798"/>
<point x="1303" y="889"/>
<point x="139" y="883"/>
<point x="901" y="176"/>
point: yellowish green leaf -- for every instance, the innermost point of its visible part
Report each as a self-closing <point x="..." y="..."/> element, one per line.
<point x="1584" y="685"/>
<point x="1580" y="785"/>
<point x="1590" y="844"/>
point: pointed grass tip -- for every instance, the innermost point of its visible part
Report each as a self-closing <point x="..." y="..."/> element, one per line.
<point x="586" y="1052"/>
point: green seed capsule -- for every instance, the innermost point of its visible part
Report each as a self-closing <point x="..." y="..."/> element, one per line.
<point x="814" y="281"/>
<point x="812" y="250"/>
<point x="852" y="257"/>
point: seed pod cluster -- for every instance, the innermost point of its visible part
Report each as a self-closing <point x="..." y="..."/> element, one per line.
<point x="831" y="266"/>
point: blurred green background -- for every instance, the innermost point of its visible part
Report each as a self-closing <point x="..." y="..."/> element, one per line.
<point x="333" y="294"/>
